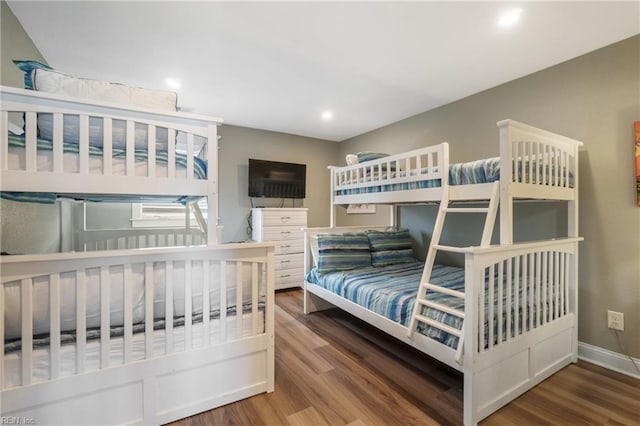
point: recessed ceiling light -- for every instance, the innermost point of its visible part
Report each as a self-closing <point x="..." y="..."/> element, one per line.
<point x="327" y="115"/>
<point x="173" y="83"/>
<point x="510" y="18"/>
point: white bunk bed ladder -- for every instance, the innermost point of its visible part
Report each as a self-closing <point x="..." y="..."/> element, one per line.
<point x="425" y="286"/>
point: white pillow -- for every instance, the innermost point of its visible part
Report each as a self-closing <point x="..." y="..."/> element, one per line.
<point x="55" y="82"/>
<point x="351" y="159"/>
<point x="62" y="84"/>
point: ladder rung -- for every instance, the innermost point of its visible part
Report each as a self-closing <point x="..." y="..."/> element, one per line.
<point x="453" y="249"/>
<point x="466" y="209"/>
<point x="444" y="290"/>
<point x="443" y="308"/>
<point x="439" y="325"/>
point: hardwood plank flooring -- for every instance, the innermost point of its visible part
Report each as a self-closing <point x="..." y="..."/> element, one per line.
<point x="333" y="369"/>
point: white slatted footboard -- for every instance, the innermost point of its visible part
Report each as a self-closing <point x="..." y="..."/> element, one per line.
<point x="135" y="336"/>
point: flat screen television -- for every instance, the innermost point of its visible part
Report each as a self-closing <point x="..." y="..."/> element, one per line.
<point x="274" y="179"/>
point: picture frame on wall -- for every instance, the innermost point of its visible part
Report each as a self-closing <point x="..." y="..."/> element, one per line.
<point x="636" y="137"/>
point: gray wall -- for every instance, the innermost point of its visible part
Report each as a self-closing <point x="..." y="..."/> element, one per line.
<point x="594" y="98"/>
<point x="20" y="220"/>
<point x="238" y="144"/>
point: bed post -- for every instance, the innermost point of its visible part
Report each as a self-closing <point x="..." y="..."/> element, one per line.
<point x="473" y="279"/>
<point x="332" y="206"/>
<point x="506" y="204"/>
<point x="212" y="187"/>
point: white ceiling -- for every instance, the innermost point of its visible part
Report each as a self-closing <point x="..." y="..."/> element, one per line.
<point x="278" y="66"/>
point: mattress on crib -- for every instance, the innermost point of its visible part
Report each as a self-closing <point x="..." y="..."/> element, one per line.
<point x="473" y="172"/>
<point x="136" y="283"/>
<point x="391" y="291"/>
<point x="44" y="163"/>
<point x="41" y="356"/>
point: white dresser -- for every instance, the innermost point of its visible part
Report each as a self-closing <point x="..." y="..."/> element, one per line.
<point x="285" y="227"/>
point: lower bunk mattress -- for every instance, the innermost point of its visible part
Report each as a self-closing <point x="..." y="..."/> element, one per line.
<point x="391" y="291"/>
<point x="220" y="330"/>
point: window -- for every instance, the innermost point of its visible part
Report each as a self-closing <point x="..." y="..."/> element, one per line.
<point x="164" y="215"/>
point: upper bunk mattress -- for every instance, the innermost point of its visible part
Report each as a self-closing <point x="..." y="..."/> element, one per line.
<point x="44" y="162"/>
<point x="473" y="172"/>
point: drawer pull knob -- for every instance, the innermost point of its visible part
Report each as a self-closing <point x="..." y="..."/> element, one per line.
<point x="285" y="261"/>
<point x="283" y="233"/>
<point x="285" y="218"/>
<point x="285" y="276"/>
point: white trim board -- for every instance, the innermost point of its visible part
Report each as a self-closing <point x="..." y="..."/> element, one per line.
<point x="608" y="359"/>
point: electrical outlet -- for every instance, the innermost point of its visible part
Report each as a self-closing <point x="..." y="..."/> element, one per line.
<point x="615" y="320"/>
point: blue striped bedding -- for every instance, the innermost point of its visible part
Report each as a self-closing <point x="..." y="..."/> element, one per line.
<point x="162" y="157"/>
<point x="473" y="172"/>
<point x="391" y="292"/>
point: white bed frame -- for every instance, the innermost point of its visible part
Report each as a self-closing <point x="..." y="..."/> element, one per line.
<point x="515" y="362"/>
<point x="164" y="386"/>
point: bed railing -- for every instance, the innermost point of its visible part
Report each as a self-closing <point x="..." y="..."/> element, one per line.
<point x="122" y="239"/>
<point x="88" y="294"/>
<point x="184" y="137"/>
<point x="429" y="164"/>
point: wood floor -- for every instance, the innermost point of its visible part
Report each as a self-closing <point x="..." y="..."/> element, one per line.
<point x="332" y="369"/>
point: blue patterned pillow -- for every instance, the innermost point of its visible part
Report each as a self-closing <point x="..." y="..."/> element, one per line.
<point x="27" y="67"/>
<point x="365" y="156"/>
<point x="389" y="248"/>
<point x="341" y="252"/>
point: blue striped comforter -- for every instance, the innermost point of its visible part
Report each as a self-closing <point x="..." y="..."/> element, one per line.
<point x="162" y="157"/>
<point x="391" y="292"/>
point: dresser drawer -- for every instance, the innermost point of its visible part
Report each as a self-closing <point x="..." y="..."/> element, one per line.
<point x="289" y="247"/>
<point x="286" y="218"/>
<point x="289" y="261"/>
<point x="289" y="278"/>
<point x="283" y="233"/>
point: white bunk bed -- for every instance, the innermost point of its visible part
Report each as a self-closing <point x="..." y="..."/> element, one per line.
<point x="511" y="319"/>
<point x="129" y="335"/>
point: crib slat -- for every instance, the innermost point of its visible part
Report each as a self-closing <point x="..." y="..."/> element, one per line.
<point x="30" y="149"/>
<point x="206" y="302"/>
<point x="545" y="287"/>
<point x="171" y="162"/>
<point x="130" y="148"/>
<point x="223" y="301"/>
<point x="517" y="299"/>
<point x="81" y="319"/>
<point x="26" y="299"/>
<point x="491" y="303"/>
<point x="509" y="282"/>
<point x="254" y="299"/>
<point x="481" y="315"/>
<point x="239" y="298"/>
<point x="190" y="156"/>
<point x="128" y="312"/>
<point x="107" y="146"/>
<point x="168" y="308"/>
<point x="556" y="285"/>
<point x="500" y="313"/>
<point x="188" y="306"/>
<point x="531" y="285"/>
<point x="105" y="320"/>
<point x="58" y="135"/>
<point x="151" y="151"/>
<point x="565" y="264"/>
<point x="148" y="310"/>
<point x="538" y="285"/>
<point x="54" y="321"/>
<point x="83" y="155"/>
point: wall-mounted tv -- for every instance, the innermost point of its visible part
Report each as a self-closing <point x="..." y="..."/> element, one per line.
<point x="273" y="179"/>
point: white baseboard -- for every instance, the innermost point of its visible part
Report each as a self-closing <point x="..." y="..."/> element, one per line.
<point x="608" y="359"/>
